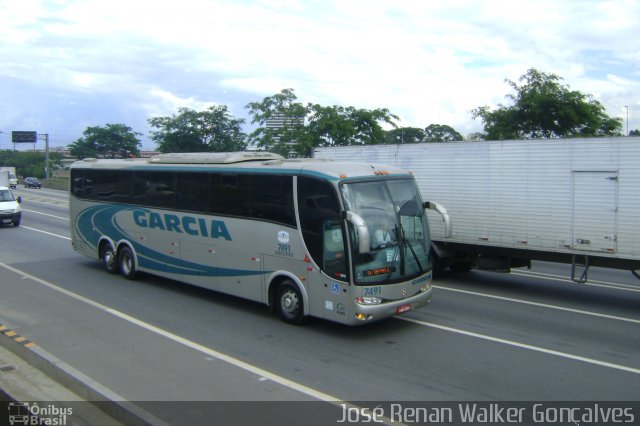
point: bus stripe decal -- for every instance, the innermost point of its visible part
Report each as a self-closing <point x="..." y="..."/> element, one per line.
<point x="102" y="221"/>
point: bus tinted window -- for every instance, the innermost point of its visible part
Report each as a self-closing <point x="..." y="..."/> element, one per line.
<point x="125" y="184"/>
<point x="193" y="191"/>
<point x="230" y="194"/>
<point x="77" y="183"/>
<point x="263" y="197"/>
<point x="139" y="188"/>
<point x="160" y="190"/>
<point x="272" y="198"/>
<point x="97" y="185"/>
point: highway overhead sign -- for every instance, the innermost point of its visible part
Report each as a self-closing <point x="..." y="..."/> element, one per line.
<point x="24" y="136"/>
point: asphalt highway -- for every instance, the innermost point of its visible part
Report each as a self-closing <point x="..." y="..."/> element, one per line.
<point x="532" y="335"/>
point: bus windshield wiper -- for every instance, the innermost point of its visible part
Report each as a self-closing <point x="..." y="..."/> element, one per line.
<point x="404" y="240"/>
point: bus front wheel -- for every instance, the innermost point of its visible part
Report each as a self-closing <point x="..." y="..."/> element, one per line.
<point x="127" y="263"/>
<point x="289" y="303"/>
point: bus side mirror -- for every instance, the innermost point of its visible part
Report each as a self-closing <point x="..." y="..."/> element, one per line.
<point x="19" y="200"/>
<point x="432" y="205"/>
<point x="364" y="240"/>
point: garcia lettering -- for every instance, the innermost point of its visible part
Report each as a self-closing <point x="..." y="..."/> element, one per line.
<point x="185" y="224"/>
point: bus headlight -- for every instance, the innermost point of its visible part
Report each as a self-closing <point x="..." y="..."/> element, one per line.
<point x="368" y="300"/>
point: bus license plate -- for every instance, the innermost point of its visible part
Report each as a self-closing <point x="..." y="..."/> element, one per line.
<point x="402" y="309"/>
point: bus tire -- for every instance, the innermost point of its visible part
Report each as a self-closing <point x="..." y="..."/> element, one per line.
<point x="109" y="258"/>
<point x="289" y="302"/>
<point x="127" y="263"/>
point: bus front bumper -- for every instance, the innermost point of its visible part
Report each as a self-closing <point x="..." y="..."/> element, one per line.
<point x="369" y="313"/>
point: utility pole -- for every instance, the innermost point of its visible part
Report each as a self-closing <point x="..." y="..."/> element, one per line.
<point x="45" y="136"/>
<point x="46" y="156"/>
<point x="627" y="107"/>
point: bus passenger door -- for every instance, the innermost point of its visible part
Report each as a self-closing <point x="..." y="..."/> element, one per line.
<point x="329" y="287"/>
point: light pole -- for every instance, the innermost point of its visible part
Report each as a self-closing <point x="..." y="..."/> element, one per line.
<point x="627" y="107"/>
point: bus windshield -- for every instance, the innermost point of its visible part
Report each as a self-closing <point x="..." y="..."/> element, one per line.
<point x="399" y="236"/>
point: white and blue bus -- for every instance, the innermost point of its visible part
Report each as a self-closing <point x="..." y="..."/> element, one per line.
<point x="347" y="242"/>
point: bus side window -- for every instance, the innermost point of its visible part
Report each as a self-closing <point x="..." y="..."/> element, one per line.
<point x="77" y="182"/>
<point x="139" y="188"/>
<point x="125" y="184"/>
<point x="272" y="198"/>
<point x="160" y="190"/>
<point x="230" y="194"/>
<point x="192" y="191"/>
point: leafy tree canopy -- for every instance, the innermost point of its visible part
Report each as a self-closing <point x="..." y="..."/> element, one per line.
<point x="545" y="108"/>
<point x="281" y="124"/>
<point x="301" y="128"/>
<point x="212" y="130"/>
<point x="29" y="163"/>
<point x="403" y="135"/>
<point x="111" y="141"/>
<point x="635" y="132"/>
<point x="441" y="133"/>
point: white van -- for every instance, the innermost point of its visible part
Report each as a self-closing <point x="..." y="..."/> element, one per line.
<point x="10" y="211"/>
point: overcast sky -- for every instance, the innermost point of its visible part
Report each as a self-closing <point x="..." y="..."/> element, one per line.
<point x="66" y="65"/>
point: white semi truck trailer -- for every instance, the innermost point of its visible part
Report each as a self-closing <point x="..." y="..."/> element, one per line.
<point x="574" y="201"/>
<point x="11" y="171"/>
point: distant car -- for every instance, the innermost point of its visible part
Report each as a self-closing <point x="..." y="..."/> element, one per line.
<point x="31" y="182"/>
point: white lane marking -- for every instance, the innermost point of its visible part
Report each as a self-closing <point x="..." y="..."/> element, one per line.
<point x="45" y="214"/>
<point x="593" y="283"/>
<point x="524" y="346"/>
<point x="47" y="201"/>
<point x="541" y="305"/>
<point x="45" y="232"/>
<point x="186" y="342"/>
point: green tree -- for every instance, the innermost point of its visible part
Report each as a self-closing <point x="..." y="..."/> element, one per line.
<point x="341" y="126"/>
<point x="281" y="124"/>
<point x="330" y="125"/>
<point x="367" y="125"/>
<point x="290" y="128"/>
<point x="212" y="130"/>
<point x="441" y="133"/>
<point x="403" y="135"/>
<point x="111" y="141"/>
<point x="545" y="108"/>
<point x="475" y="136"/>
<point x="635" y="132"/>
<point x="29" y="163"/>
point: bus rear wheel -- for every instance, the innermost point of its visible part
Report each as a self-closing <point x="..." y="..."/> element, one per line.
<point x="289" y="302"/>
<point x="127" y="263"/>
<point x="109" y="259"/>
